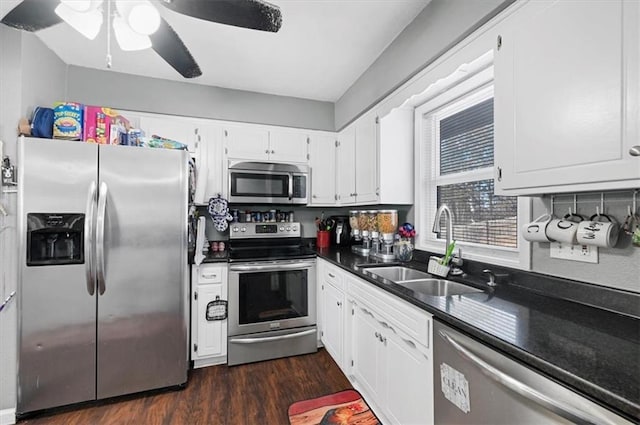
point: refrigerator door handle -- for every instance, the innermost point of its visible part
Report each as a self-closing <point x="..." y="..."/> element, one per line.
<point x="88" y="239"/>
<point x="100" y="223"/>
<point x="556" y="406"/>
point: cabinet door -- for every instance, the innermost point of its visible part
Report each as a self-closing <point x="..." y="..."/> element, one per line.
<point x="346" y="166"/>
<point x="179" y="129"/>
<point x="209" y="163"/>
<point x="322" y="161"/>
<point x="333" y="321"/>
<point x="248" y="143"/>
<point x="560" y="82"/>
<point x="288" y="146"/>
<point x="366" y="351"/>
<point x="366" y="148"/>
<point x="407" y="380"/>
<point x="211" y="335"/>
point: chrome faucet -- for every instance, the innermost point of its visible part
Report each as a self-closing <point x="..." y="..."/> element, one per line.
<point x="449" y="223"/>
<point x="492" y="277"/>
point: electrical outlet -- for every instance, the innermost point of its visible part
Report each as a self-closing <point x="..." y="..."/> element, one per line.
<point x="584" y="253"/>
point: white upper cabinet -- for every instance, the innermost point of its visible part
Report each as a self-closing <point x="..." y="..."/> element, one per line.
<point x="255" y="143"/>
<point x="250" y="143"/>
<point x="322" y="161"/>
<point x="346" y="166"/>
<point x="566" y="97"/>
<point x="183" y="130"/>
<point x="366" y="158"/>
<point x="396" y="157"/>
<point x="288" y="145"/>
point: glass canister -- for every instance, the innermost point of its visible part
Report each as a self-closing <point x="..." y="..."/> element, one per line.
<point x="353" y="223"/>
<point x="372" y="223"/>
<point x="363" y="223"/>
<point x="388" y="222"/>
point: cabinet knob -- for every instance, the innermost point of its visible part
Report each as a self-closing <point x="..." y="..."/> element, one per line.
<point x="314" y="196"/>
<point x="635" y="150"/>
<point x="499" y="174"/>
<point x="266" y="151"/>
<point x="273" y="152"/>
<point x="339" y="303"/>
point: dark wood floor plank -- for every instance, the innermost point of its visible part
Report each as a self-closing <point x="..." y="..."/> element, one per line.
<point x="257" y="393"/>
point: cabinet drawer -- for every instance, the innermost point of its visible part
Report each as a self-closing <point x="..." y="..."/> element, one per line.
<point x="210" y="274"/>
<point x="334" y="276"/>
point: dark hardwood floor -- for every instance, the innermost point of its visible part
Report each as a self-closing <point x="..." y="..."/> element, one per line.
<point x="257" y="393"/>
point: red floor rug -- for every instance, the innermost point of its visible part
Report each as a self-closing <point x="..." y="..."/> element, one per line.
<point x="342" y="408"/>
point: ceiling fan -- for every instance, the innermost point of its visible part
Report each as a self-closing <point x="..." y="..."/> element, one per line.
<point x="137" y="24"/>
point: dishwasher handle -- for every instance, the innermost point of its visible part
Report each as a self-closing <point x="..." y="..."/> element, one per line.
<point x="556" y="406"/>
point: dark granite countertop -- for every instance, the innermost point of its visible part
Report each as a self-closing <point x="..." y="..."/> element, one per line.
<point x="592" y="350"/>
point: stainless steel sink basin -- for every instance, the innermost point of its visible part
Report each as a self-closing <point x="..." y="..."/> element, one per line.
<point x="397" y="273"/>
<point x="438" y="287"/>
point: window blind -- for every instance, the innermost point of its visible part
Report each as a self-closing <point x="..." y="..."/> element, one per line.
<point x="466" y="139"/>
<point x="479" y="216"/>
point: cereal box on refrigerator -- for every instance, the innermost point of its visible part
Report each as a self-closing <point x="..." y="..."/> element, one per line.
<point x="97" y="124"/>
<point x="67" y="120"/>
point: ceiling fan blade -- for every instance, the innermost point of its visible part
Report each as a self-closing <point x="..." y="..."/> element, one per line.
<point x="33" y="15"/>
<point x="252" y="14"/>
<point x="170" y="47"/>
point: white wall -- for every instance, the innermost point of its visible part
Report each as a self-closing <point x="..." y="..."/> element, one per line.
<point x="31" y="75"/>
<point x="441" y="25"/>
<point x="131" y="92"/>
<point x="618" y="267"/>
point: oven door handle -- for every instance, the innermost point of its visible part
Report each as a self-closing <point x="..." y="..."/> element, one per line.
<point x="270" y="267"/>
<point x="271" y="338"/>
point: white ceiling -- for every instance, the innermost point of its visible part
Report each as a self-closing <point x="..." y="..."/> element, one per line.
<point x="320" y="51"/>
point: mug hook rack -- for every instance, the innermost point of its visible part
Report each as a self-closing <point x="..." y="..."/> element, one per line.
<point x="573" y="209"/>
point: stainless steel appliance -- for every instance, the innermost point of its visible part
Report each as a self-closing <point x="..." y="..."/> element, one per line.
<point x="103" y="279"/>
<point x="475" y="384"/>
<point x="268" y="183"/>
<point x="272" y="293"/>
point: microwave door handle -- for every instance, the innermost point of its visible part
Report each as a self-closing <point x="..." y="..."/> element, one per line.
<point x="556" y="406"/>
<point x="290" y="187"/>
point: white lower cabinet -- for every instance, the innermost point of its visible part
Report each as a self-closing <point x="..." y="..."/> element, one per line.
<point x="208" y="335"/>
<point x="332" y="311"/>
<point x="382" y="343"/>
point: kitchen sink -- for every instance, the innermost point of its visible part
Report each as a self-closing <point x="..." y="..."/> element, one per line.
<point x="397" y="274"/>
<point x="438" y="287"/>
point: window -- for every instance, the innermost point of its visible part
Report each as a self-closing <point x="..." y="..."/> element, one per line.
<point x="454" y="130"/>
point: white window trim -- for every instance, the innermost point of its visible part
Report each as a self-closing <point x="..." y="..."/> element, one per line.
<point x="476" y="82"/>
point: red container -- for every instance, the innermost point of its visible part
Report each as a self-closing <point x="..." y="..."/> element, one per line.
<point x="322" y="240"/>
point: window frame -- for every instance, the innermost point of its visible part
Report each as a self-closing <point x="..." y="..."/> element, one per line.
<point x="461" y="91"/>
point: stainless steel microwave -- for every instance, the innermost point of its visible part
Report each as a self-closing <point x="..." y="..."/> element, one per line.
<point x="268" y="183"/>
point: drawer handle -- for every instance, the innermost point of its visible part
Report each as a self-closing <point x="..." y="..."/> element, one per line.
<point x="209" y="276"/>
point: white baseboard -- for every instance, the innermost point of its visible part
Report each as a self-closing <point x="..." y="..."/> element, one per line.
<point x="7" y="416"/>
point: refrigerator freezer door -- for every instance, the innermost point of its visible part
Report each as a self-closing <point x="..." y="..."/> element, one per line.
<point x="57" y="312"/>
<point x="142" y="305"/>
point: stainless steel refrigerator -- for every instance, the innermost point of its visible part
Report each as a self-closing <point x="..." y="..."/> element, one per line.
<point x="103" y="280"/>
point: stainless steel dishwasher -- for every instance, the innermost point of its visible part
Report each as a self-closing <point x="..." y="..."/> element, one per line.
<point x="475" y="384"/>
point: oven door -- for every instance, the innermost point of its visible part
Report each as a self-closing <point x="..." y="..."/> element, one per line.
<point x="268" y="296"/>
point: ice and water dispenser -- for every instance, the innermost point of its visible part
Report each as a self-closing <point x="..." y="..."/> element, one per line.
<point x="55" y="239"/>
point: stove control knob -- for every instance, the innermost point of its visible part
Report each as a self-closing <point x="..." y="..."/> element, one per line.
<point x="244" y="229"/>
<point x="282" y="228"/>
<point x="235" y="229"/>
<point x="294" y="228"/>
<point x="288" y="229"/>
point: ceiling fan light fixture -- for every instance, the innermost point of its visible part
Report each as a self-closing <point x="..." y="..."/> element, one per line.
<point x="141" y="15"/>
<point x="86" y="23"/>
<point x="128" y="39"/>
